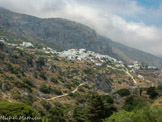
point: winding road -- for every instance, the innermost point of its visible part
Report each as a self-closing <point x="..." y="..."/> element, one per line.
<point x="64" y="95"/>
<point x="76" y="89"/>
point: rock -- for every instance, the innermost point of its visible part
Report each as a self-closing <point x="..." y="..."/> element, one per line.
<point x="4" y="87"/>
<point x="4" y="48"/>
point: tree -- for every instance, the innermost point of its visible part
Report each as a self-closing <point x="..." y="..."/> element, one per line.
<point x="56" y="114"/>
<point x="97" y="109"/>
<point x="151" y="91"/>
<point x="109" y="109"/>
<point x="107" y="99"/>
<point x="79" y="115"/>
<point x="133" y="104"/>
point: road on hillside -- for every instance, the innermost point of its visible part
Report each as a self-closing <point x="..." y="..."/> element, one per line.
<point x="127" y="72"/>
<point x="64" y="95"/>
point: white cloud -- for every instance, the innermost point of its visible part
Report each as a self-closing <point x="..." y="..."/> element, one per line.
<point x="106" y="17"/>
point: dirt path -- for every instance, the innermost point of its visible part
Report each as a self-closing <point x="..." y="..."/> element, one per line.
<point x="127" y="72"/>
<point x="64" y="95"/>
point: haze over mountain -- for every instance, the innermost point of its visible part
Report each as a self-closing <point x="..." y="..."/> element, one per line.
<point x="65" y="34"/>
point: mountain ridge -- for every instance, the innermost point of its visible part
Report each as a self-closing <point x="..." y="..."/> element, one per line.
<point x="66" y="34"/>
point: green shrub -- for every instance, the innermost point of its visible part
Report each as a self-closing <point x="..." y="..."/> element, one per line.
<point x="160" y="88"/>
<point x="27" y="81"/>
<point x="152" y="92"/>
<point x="88" y="71"/>
<point x="78" y="115"/>
<point x="41" y="61"/>
<point x="54" y="80"/>
<point x="1" y="71"/>
<point x="56" y="114"/>
<point x="45" y="89"/>
<point x="14" y="70"/>
<point x="68" y="85"/>
<point x="1" y="56"/>
<point x="81" y="100"/>
<point x="57" y="91"/>
<point x="61" y="79"/>
<point x="57" y="104"/>
<point x="86" y="86"/>
<point x="133" y="104"/>
<point x="11" y="68"/>
<point x="146" y="114"/>
<point x="107" y="99"/>
<point x="71" y="94"/>
<point x="75" y="82"/>
<point x="80" y="88"/>
<point x="22" y="85"/>
<point x="121" y="116"/>
<point x="45" y="104"/>
<point x="123" y="92"/>
<point x="16" y="95"/>
<point x="43" y="75"/>
<point x="55" y="58"/>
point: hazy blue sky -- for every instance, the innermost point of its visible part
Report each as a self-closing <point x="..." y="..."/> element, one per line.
<point x="136" y="23"/>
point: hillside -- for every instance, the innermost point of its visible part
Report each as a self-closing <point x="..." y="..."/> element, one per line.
<point x="64" y="34"/>
<point x="52" y="87"/>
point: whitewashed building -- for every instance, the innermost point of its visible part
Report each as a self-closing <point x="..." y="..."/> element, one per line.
<point x="27" y="44"/>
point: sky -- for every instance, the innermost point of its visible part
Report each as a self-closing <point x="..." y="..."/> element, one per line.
<point x="135" y="23"/>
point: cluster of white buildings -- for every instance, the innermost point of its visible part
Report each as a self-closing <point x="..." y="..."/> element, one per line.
<point x="1" y="40"/>
<point x="83" y="54"/>
<point x="24" y="44"/>
<point x="135" y="65"/>
<point x="27" y="44"/>
<point x="49" y="50"/>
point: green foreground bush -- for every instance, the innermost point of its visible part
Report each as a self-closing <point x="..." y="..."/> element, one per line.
<point x="146" y="114"/>
<point x="16" y="110"/>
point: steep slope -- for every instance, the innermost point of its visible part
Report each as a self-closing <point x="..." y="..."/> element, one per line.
<point x="65" y="34"/>
<point x="29" y="77"/>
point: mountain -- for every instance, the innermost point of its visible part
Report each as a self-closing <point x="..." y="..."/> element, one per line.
<point x="55" y="88"/>
<point x="64" y="34"/>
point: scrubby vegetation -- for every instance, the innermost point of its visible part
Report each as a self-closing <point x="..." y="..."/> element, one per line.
<point x="31" y="83"/>
<point x="152" y="92"/>
<point x="123" y="92"/>
<point x="146" y="114"/>
<point x="17" y="112"/>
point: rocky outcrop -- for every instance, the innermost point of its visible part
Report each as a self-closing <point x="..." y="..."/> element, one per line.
<point x="4" y="48"/>
<point x="104" y="83"/>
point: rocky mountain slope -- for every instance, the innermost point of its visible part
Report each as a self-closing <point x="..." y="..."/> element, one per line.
<point x="52" y="87"/>
<point x="65" y="34"/>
